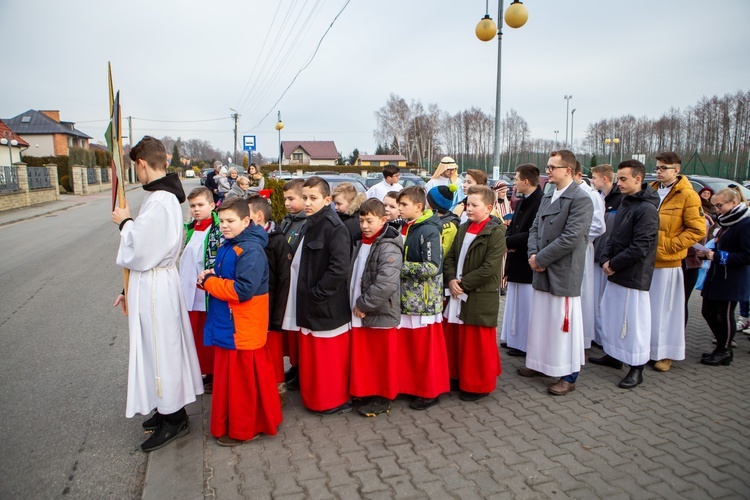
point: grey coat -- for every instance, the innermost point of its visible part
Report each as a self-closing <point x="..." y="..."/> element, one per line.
<point x="381" y="280"/>
<point x="559" y="237"/>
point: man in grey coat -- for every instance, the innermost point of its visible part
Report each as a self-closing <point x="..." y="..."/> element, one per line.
<point x="557" y="251"/>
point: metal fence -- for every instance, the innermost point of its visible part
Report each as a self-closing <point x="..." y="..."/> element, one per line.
<point x="9" y="179"/>
<point x="39" y="178"/>
<point x="91" y="177"/>
<point x="105" y="174"/>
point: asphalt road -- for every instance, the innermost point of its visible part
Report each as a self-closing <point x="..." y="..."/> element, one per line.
<point x="63" y="367"/>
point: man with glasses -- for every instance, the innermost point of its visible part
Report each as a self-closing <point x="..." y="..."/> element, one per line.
<point x="681" y="225"/>
<point x="557" y="251"/>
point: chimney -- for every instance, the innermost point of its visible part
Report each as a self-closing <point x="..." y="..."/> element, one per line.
<point x="52" y="113"/>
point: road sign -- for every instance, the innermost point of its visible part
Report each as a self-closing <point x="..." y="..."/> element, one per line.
<point x="248" y="143"/>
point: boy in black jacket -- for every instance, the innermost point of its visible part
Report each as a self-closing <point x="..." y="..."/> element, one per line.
<point x="279" y="255"/>
<point x="318" y="304"/>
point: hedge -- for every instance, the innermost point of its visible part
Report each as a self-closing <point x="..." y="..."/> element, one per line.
<point x="348" y="169"/>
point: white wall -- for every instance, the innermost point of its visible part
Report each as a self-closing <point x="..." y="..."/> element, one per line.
<point x="46" y="145"/>
<point x="5" y="155"/>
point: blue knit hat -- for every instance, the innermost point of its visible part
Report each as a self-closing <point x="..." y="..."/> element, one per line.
<point x="440" y="198"/>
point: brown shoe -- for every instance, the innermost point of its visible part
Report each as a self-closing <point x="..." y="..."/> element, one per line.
<point x="528" y="372"/>
<point x="663" y="365"/>
<point x="561" y="388"/>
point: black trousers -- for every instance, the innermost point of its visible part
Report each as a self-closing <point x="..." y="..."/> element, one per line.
<point x="719" y="315"/>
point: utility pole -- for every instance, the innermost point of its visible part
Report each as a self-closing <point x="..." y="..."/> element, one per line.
<point x="236" y="117"/>
<point x="567" y="115"/>
<point x="572" y="115"/>
<point x="130" y="141"/>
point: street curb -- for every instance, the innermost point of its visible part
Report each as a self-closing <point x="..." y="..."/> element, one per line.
<point x="31" y="217"/>
<point x="176" y="471"/>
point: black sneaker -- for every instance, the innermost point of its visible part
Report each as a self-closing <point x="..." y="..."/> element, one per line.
<point x="374" y="407"/>
<point x="290" y="374"/>
<point x="153" y="423"/>
<point x="165" y="435"/>
<point x="292" y="384"/>
<point x="344" y="408"/>
<point x="512" y="351"/>
<point x="455" y="385"/>
<point x="472" y="396"/>
<point x="423" y="403"/>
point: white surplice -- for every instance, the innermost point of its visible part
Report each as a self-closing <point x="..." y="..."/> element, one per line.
<point x="163" y="372"/>
<point x="516" y="316"/>
<point x="626" y="325"/>
<point x="549" y="348"/>
<point x="667" y="295"/>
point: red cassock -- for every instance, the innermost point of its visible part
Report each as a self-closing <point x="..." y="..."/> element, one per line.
<point x="245" y="399"/>
<point x="476" y="356"/>
<point x="374" y="370"/>
<point x="451" y="345"/>
<point x="422" y="361"/>
<point x="323" y="370"/>
<point x="205" y="353"/>
<point x="275" y="342"/>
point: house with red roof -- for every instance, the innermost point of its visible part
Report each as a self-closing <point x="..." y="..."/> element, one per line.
<point x="11" y="145"/>
<point x="312" y="153"/>
<point x="380" y="160"/>
<point x="46" y="133"/>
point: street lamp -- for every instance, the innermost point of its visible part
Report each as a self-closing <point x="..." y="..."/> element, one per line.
<point x="611" y="143"/>
<point x="567" y="112"/>
<point x="515" y="17"/>
<point x="571" y="127"/>
<point x="556" y="132"/>
<point x="279" y="126"/>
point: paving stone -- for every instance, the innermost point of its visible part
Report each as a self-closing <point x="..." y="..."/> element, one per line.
<point x="435" y="489"/>
<point x="452" y="479"/>
<point x="316" y="488"/>
<point x="347" y="491"/>
<point x="370" y="481"/>
<point x="419" y="473"/>
<point x="338" y="475"/>
<point x="599" y="484"/>
<point x="403" y="487"/>
<point x="358" y="461"/>
<point x="285" y="484"/>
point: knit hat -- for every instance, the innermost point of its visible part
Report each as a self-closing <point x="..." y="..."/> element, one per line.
<point x="223" y="171"/>
<point x="441" y="197"/>
<point x="706" y="188"/>
<point x="500" y="185"/>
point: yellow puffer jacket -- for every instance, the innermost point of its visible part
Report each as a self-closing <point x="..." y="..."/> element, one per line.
<point x="681" y="223"/>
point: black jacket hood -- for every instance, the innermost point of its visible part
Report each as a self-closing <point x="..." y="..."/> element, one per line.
<point x="170" y="183"/>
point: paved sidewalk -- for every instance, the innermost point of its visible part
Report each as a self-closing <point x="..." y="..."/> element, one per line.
<point x="681" y="434"/>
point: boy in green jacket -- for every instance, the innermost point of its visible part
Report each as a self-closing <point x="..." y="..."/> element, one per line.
<point x="472" y="270"/>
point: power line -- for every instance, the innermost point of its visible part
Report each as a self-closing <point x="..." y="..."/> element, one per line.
<point x="306" y="65"/>
<point x="182" y="121"/>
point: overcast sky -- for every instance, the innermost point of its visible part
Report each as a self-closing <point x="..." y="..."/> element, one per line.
<point x="189" y="60"/>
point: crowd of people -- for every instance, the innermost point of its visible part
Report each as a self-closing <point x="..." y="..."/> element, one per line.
<point x="397" y="292"/>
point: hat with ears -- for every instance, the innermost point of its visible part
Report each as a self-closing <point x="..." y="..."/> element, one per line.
<point x="441" y="197"/>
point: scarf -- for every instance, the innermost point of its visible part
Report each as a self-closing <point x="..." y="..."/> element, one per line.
<point x="733" y="216"/>
<point x="476" y="227"/>
<point x="202" y="225"/>
<point x="371" y="239"/>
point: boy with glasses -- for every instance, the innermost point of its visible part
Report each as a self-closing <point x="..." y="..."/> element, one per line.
<point x="681" y="225"/>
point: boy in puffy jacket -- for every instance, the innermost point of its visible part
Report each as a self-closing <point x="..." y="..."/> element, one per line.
<point x="245" y="399"/>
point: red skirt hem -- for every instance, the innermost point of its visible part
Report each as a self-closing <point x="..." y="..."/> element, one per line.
<point x="478" y="358"/>
<point x="374" y="371"/>
<point x="205" y="353"/>
<point x="423" y="361"/>
<point x="275" y="351"/>
<point x="323" y="370"/>
<point x="245" y="399"/>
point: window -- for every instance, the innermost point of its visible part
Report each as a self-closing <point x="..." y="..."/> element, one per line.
<point x="26" y="119"/>
<point x="297" y="157"/>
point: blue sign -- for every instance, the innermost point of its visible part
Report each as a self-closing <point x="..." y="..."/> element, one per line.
<point x="248" y="143"/>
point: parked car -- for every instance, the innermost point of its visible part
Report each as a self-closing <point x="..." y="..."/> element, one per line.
<point x="204" y="173"/>
<point x="360" y="178"/>
<point x="407" y="179"/>
<point x="334" y="180"/>
<point x="283" y="175"/>
<point x="716" y="184"/>
<point x="190" y="174"/>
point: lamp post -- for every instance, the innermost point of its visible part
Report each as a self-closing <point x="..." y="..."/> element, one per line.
<point x="611" y="143"/>
<point x="279" y="126"/>
<point x="572" y="113"/>
<point x="515" y="17"/>
<point x="567" y="112"/>
<point x="556" y="132"/>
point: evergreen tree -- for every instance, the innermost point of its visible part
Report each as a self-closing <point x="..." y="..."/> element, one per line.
<point x="175" y="157"/>
<point x="353" y="157"/>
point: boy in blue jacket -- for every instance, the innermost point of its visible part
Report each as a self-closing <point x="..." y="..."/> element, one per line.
<point x="245" y="399"/>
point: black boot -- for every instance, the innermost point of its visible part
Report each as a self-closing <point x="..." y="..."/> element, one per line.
<point x="153" y="423"/>
<point x="172" y="426"/>
<point x="708" y="354"/>
<point x="606" y="360"/>
<point x="633" y="378"/>
<point x="718" y="358"/>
